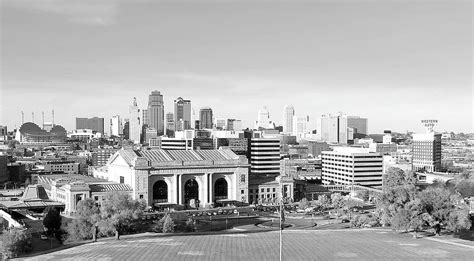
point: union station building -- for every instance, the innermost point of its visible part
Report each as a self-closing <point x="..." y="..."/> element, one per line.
<point x="180" y="177"/>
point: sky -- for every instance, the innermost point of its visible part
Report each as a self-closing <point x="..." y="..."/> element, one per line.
<point x="395" y="62"/>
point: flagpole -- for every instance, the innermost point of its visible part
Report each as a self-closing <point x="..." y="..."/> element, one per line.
<point x="281" y="220"/>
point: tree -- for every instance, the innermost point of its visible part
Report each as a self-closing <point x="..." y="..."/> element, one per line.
<point x="118" y="211"/>
<point x="396" y="177"/>
<point x="465" y="187"/>
<point x="15" y="242"/>
<point x="303" y="204"/>
<point x="337" y="201"/>
<point x="52" y="220"/>
<point x="84" y="225"/>
<point x="168" y="224"/>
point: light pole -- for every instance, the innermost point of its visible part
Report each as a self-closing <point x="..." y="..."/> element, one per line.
<point x="282" y="213"/>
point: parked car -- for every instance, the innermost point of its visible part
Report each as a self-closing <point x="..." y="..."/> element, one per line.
<point x="43" y="237"/>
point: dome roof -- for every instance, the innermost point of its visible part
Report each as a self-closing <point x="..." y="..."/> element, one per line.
<point x="30" y="128"/>
<point x="58" y="129"/>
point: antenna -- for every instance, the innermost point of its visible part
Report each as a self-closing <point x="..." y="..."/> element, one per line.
<point x="33" y="116"/>
<point x="43" y="118"/>
<point x="53" y="118"/>
<point x="22" y="117"/>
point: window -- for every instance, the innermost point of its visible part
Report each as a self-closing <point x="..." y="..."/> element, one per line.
<point x="274" y="189"/>
<point x="242" y="191"/>
<point x="242" y="178"/>
<point x="122" y="179"/>
<point x="268" y="189"/>
<point x="262" y="190"/>
<point x="141" y="196"/>
<point x="96" y="198"/>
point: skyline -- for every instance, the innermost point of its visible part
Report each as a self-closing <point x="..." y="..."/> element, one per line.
<point x="393" y="62"/>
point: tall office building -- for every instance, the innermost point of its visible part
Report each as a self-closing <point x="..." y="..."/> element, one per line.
<point x="288" y="116"/>
<point x="95" y="124"/>
<point x="156" y="112"/>
<point x="116" y="126"/>
<point x="182" y="114"/>
<point x="359" y="124"/>
<point x="300" y="127"/>
<point x="220" y="124"/>
<point x="265" y="156"/>
<point x="263" y="118"/>
<point x="134" y="122"/>
<point x="352" y="166"/>
<point x="145" y="117"/>
<point x="205" y="118"/>
<point x="427" y="149"/>
<point x="170" y="126"/>
<point x="334" y="128"/>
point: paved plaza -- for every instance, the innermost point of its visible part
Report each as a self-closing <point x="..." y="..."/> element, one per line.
<point x="252" y="245"/>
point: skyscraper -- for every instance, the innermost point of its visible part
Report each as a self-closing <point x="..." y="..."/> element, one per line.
<point x="156" y="112"/>
<point x="116" y="127"/>
<point x="334" y="128"/>
<point x="170" y="126"/>
<point x="205" y="118"/>
<point x="182" y="114"/>
<point x="234" y="125"/>
<point x="300" y="127"/>
<point x="263" y="118"/>
<point x="145" y="117"/>
<point x="288" y="114"/>
<point x="134" y="122"/>
<point x="95" y="124"/>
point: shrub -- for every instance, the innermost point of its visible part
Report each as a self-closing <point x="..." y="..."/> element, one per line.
<point x="15" y="242"/>
<point x="168" y="224"/>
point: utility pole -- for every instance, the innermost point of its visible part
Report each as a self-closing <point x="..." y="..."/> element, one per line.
<point x="282" y="213"/>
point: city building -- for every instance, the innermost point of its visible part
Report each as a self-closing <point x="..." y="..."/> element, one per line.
<point x="203" y="143"/>
<point x="359" y="124"/>
<point x="263" y="118"/>
<point x="101" y="156"/>
<point x="134" y="123"/>
<point x="352" y="166"/>
<point x="164" y="177"/>
<point x="30" y="133"/>
<point x="156" y="112"/>
<point x="234" y="125"/>
<point x="175" y="143"/>
<point x="84" y="135"/>
<point x="220" y="124"/>
<point x="334" y="128"/>
<point x="71" y="167"/>
<point x="116" y="127"/>
<point x="3" y="168"/>
<point x="427" y="149"/>
<point x="288" y="117"/>
<point x="70" y="189"/>
<point x="265" y="156"/>
<point x="95" y="124"/>
<point x="145" y="121"/>
<point x="126" y="130"/>
<point x="150" y="133"/>
<point x="205" y="118"/>
<point x="170" y="126"/>
<point x="267" y="191"/>
<point x="182" y="114"/>
<point x="300" y="127"/>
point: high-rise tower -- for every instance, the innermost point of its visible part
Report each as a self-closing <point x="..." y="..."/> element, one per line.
<point x="156" y="112"/>
<point x="288" y="114"/>
<point x="182" y="114"/>
<point x="205" y="118"/>
<point x="134" y="122"/>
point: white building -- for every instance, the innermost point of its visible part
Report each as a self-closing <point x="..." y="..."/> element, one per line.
<point x="300" y="127"/>
<point x="178" y="176"/>
<point x="116" y="127"/>
<point x="135" y="126"/>
<point x="263" y="118"/>
<point x="426" y="152"/>
<point x="352" y="166"/>
<point x="288" y="114"/>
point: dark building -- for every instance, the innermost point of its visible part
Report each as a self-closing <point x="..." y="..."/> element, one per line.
<point x="101" y="156"/>
<point x="126" y="130"/>
<point x="238" y="145"/>
<point x="316" y="147"/>
<point x="3" y="168"/>
<point x="95" y="124"/>
<point x="205" y="118"/>
<point x="156" y="112"/>
<point x="203" y="144"/>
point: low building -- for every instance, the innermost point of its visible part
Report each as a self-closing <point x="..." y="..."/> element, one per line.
<point x="181" y="176"/>
<point x="59" y="166"/>
<point x="352" y="166"/>
<point x="268" y="190"/>
<point x="101" y="156"/>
